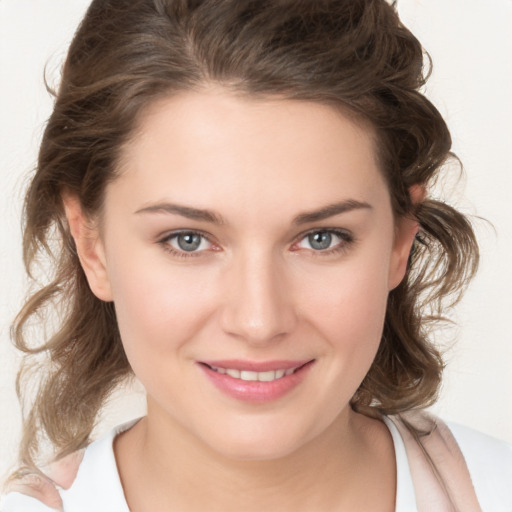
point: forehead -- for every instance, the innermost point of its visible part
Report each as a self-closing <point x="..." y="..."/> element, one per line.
<point x="213" y="147"/>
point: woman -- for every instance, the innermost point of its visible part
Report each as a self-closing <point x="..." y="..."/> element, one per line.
<point x="240" y="193"/>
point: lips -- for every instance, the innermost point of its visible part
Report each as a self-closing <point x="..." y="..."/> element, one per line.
<point x="248" y="375"/>
<point x="256" y="382"/>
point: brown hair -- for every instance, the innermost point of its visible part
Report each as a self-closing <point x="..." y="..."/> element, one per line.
<point x="128" y="53"/>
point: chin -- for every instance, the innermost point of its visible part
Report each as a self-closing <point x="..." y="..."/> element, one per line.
<point x="255" y="451"/>
<point x="259" y="443"/>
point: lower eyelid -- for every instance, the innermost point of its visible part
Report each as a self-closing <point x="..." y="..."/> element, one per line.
<point x="345" y="239"/>
<point x="165" y="242"/>
<point x="203" y="238"/>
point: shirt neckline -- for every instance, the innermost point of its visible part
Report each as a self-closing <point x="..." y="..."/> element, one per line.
<point x="100" y="454"/>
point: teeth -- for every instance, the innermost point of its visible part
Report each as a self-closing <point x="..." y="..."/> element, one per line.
<point x="245" y="375"/>
<point x="268" y="376"/>
<point x="254" y="376"/>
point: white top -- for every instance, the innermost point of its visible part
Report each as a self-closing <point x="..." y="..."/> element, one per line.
<point x="97" y="487"/>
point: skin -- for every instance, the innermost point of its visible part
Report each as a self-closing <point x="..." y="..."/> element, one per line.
<point x="255" y="290"/>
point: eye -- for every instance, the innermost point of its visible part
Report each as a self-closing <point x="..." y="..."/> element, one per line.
<point x="186" y="243"/>
<point x="326" y="240"/>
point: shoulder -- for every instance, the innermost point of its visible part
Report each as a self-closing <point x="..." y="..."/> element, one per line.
<point x="19" y="502"/>
<point x="482" y="448"/>
<point x="97" y="485"/>
<point x="38" y="490"/>
<point x="489" y="461"/>
<point x="466" y="461"/>
<point x="84" y="481"/>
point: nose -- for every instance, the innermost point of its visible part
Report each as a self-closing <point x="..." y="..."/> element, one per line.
<point x="258" y="305"/>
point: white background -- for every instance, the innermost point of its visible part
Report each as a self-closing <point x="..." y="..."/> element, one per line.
<point x="471" y="46"/>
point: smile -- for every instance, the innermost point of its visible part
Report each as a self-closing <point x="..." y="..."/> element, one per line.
<point x="256" y="382"/>
<point x="246" y="375"/>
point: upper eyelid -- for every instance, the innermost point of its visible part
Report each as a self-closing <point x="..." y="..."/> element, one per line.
<point x="345" y="235"/>
<point x="174" y="233"/>
<point x="297" y="238"/>
<point x="165" y="239"/>
<point x="321" y="230"/>
<point x="208" y="236"/>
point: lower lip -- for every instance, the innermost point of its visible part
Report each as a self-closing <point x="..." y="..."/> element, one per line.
<point x="256" y="392"/>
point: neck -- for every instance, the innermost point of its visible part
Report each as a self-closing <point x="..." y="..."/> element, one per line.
<point x="333" y="471"/>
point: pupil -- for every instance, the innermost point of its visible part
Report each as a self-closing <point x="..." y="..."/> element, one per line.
<point x="321" y="240"/>
<point x="189" y="241"/>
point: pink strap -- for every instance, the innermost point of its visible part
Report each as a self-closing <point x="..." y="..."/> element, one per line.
<point x="439" y="472"/>
<point x="43" y="486"/>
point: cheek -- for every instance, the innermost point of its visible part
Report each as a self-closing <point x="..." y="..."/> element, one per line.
<point x="353" y="296"/>
<point x="348" y="310"/>
<point x="157" y="306"/>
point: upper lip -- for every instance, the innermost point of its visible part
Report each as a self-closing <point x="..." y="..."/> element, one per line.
<point x="256" y="366"/>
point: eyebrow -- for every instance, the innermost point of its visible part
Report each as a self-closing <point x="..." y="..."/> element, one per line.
<point x="184" y="211"/>
<point x="330" y="211"/>
<point x="209" y="216"/>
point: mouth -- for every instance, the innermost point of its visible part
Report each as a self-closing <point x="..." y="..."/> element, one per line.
<point x="256" y="382"/>
<point x="252" y="376"/>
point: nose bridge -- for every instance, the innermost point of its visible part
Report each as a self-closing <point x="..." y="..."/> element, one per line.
<point x="258" y="305"/>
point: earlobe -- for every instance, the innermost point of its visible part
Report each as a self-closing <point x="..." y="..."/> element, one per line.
<point x="89" y="247"/>
<point x="405" y="234"/>
<point x="417" y="193"/>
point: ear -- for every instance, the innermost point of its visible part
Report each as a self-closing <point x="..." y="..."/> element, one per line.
<point x="89" y="247"/>
<point x="405" y="232"/>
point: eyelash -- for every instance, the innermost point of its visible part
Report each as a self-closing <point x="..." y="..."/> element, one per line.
<point x="164" y="242"/>
<point x="346" y="240"/>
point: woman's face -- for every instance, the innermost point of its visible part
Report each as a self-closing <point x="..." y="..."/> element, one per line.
<point x="249" y="247"/>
